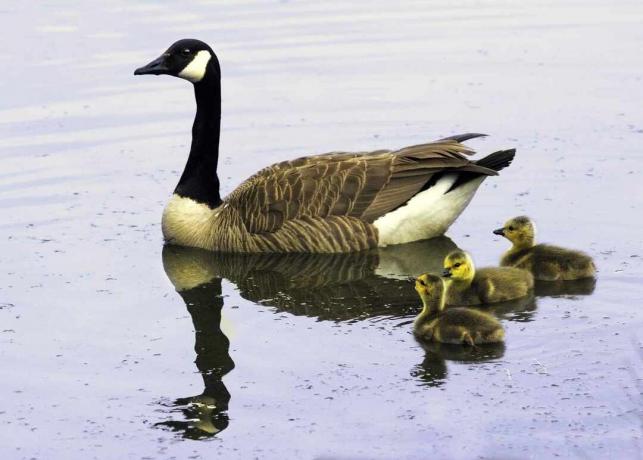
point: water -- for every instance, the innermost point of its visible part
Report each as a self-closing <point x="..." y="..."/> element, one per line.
<point x="312" y="357"/>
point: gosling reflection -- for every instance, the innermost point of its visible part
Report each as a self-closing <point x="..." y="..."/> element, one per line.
<point x="433" y="370"/>
<point x="570" y="288"/>
<point x="205" y="414"/>
<point x="520" y="310"/>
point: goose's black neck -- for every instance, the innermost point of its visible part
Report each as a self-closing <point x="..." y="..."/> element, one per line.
<point x="199" y="180"/>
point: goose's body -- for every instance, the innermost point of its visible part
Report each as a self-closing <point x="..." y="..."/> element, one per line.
<point x="459" y="325"/>
<point x="468" y="286"/>
<point x="544" y="261"/>
<point x="335" y="202"/>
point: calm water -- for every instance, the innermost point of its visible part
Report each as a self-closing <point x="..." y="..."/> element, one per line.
<point x="112" y="346"/>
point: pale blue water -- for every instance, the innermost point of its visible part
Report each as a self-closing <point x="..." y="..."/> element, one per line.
<point x="312" y="357"/>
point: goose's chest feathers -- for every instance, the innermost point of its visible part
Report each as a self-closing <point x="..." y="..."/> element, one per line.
<point x="187" y="222"/>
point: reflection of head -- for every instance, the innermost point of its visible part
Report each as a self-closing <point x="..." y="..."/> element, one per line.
<point x="203" y="417"/>
<point x="432" y="371"/>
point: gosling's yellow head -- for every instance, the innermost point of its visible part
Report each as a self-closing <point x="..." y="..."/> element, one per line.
<point x="520" y="231"/>
<point x="458" y="266"/>
<point x="429" y="287"/>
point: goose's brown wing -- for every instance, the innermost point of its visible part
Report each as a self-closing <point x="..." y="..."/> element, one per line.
<point x="360" y="185"/>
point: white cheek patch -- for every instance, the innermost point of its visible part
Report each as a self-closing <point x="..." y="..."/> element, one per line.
<point x="195" y="70"/>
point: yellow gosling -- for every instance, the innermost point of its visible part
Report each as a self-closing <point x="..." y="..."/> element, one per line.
<point x="545" y="262"/>
<point x="460" y="326"/>
<point x="468" y="286"/>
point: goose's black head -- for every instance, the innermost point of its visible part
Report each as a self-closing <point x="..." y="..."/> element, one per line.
<point x="190" y="59"/>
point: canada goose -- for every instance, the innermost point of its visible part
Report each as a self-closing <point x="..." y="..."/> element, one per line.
<point x="458" y="325"/>
<point x="545" y="262"/>
<point x="468" y="286"/>
<point x="334" y="202"/>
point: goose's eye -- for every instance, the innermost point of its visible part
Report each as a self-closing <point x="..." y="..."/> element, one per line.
<point x="185" y="51"/>
<point x="457" y="265"/>
<point x="421" y="282"/>
<point x="511" y="229"/>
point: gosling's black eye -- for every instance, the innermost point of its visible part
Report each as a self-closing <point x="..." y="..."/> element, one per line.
<point x="511" y="228"/>
<point x="457" y="265"/>
<point x="185" y="51"/>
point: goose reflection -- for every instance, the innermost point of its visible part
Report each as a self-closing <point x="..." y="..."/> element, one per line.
<point x="205" y="414"/>
<point x="572" y="288"/>
<point x="432" y="371"/>
<point x="339" y="287"/>
<point x="336" y="287"/>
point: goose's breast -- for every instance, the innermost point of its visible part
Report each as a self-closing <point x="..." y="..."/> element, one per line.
<point x="187" y="222"/>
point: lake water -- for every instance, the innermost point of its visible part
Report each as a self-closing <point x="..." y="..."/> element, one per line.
<point x="112" y="346"/>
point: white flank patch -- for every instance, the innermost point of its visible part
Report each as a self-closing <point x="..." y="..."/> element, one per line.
<point x="195" y="70"/>
<point x="428" y="214"/>
<point x="186" y="222"/>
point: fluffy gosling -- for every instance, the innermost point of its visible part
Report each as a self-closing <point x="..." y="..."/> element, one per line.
<point x="468" y="286"/>
<point x="545" y="262"/>
<point x="454" y="325"/>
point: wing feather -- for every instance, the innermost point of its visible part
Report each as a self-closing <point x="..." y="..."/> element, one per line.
<point x="364" y="185"/>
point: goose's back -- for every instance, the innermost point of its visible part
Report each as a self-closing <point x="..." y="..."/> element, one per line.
<point x="328" y="202"/>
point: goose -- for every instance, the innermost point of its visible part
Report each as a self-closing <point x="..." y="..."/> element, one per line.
<point x="545" y="262"/>
<point x="458" y="325"/>
<point x="468" y="286"/>
<point x="327" y="203"/>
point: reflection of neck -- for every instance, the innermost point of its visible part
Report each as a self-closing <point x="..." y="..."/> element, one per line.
<point x="204" y="303"/>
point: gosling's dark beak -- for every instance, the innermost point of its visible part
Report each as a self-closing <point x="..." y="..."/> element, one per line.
<point x="446" y="273"/>
<point x="499" y="231"/>
<point x="157" y="67"/>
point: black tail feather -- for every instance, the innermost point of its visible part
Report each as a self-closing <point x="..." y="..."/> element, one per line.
<point x="463" y="137"/>
<point x="497" y="160"/>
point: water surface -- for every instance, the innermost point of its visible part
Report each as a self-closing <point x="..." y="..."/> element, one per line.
<point x="113" y="346"/>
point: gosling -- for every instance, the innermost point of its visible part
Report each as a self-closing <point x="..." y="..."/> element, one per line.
<point x="466" y="286"/>
<point x="545" y="262"/>
<point x="459" y="326"/>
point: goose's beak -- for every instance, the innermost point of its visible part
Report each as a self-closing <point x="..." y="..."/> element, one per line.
<point x="157" y="67"/>
<point x="446" y="273"/>
<point x="499" y="231"/>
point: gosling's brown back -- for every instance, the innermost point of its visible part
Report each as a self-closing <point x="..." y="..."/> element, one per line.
<point x="470" y="318"/>
<point x="493" y="284"/>
<point x="454" y="324"/>
<point x="551" y="263"/>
